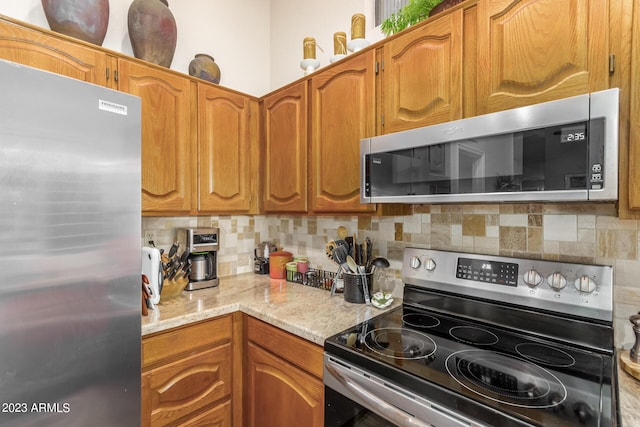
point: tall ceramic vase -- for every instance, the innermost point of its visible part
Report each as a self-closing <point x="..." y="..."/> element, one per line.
<point x="152" y="31"/>
<point x="83" y="19"/>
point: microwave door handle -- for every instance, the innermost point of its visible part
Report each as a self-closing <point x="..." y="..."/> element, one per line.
<point x="391" y="413"/>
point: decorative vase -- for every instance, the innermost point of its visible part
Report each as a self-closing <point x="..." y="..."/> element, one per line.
<point x="83" y="19"/>
<point x="204" y="67"/>
<point x="152" y="31"/>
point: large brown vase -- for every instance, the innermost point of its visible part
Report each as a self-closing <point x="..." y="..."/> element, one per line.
<point x="152" y="31"/>
<point x="83" y="19"/>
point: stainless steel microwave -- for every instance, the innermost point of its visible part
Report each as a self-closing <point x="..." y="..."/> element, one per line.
<point x="563" y="150"/>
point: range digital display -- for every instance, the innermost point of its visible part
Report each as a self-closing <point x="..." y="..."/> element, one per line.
<point x="499" y="273"/>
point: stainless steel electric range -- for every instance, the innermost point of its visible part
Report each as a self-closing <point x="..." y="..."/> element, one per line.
<point x="480" y="341"/>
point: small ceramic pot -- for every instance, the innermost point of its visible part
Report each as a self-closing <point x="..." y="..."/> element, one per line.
<point x="204" y="67"/>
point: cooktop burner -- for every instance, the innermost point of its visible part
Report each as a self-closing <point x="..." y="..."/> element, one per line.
<point x="506" y="379"/>
<point x="473" y="335"/>
<point x="546" y="355"/>
<point x="420" y="320"/>
<point x="399" y="343"/>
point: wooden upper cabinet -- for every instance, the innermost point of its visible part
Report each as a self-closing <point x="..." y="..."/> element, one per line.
<point x="168" y="166"/>
<point x="227" y="142"/>
<point x="531" y="51"/>
<point x="342" y="112"/>
<point x="634" y="119"/>
<point x="422" y="75"/>
<point x="39" y="50"/>
<point x="285" y="150"/>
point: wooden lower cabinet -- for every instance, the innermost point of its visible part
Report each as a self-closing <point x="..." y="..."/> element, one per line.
<point x="283" y="379"/>
<point x="188" y="375"/>
<point x="219" y="416"/>
<point x="233" y="370"/>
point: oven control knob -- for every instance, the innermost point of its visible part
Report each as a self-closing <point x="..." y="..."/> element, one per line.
<point x="557" y="281"/>
<point x="429" y="264"/>
<point x="585" y="284"/>
<point x="532" y="278"/>
<point x="415" y="262"/>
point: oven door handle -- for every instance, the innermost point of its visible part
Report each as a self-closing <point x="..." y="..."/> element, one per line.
<point x="429" y="415"/>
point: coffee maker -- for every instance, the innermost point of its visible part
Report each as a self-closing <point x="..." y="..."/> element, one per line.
<point x="202" y="245"/>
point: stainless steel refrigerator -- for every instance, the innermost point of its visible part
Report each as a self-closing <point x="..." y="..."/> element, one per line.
<point x="70" y="292"/>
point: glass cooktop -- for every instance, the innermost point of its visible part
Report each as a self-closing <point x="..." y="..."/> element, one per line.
<point x="534" y="380"/>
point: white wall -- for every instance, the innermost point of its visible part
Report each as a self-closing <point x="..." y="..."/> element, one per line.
<point x="293" y="20"/>
<point x="233" y="32"/>
<point x="256" y="43"/>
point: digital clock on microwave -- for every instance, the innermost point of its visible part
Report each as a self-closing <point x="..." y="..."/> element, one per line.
<point x="573" y="133"/>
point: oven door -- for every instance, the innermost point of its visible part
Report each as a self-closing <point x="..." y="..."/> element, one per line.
<point x="354" y="397"/>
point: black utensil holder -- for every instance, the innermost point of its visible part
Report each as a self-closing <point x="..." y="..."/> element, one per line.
<point x="353" y="286"/>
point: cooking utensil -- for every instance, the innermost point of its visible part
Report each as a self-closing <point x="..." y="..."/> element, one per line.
<point x="342" y="232"/>
<point x="355" y="268"/>
<point x="340" y="255"/>
<point x="377" y="262"/>
<point x="329" y="247"/>
<point x="380" y="262"/>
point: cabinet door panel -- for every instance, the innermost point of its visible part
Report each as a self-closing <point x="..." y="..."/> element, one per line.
<point x="167" y="155"/>
<point x="343" y="112"/>
<point x="219" y="416"/>
<point x="285" y="128"/>
<point x="38" y="50"/>
<point x="532" y="51"/>
<point x="180" y="388"/>
<point x="634" y="127"/>
<point x="226" y="129"/>
<point x="422" y="76"/>
<point x="281" y="395"/>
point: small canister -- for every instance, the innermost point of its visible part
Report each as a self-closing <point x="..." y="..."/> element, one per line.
<point x="292" y="271"/>
<point x="277" y="264"/>
<point x="302" y="264"/>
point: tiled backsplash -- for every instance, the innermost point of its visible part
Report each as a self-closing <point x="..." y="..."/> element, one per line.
<point x="584" y="233"/>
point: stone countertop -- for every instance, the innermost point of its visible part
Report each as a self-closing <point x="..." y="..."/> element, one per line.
<point x="629" y="398"/>
<point x="307" y="312"/>
<point x="304" y="311"/>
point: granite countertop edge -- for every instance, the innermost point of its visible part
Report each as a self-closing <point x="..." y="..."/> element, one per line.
<point x="308" y="313"/>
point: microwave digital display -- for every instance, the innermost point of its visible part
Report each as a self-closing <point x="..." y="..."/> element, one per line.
<point x="573" y="133"/>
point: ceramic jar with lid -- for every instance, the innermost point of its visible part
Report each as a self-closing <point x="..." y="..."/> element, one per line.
<point x="277" y="264"/>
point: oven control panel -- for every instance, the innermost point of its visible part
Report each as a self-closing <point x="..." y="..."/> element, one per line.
<point x="576" y="289"/>
<point x="482" y="270"/>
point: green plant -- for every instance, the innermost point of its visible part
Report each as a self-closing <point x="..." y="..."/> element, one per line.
<point x="412" y="13"/>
